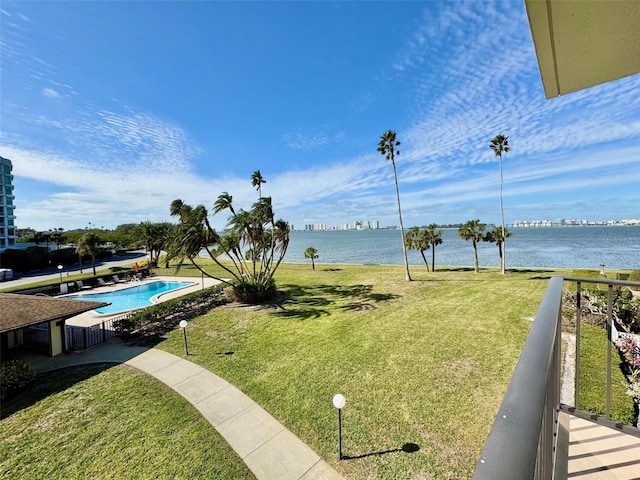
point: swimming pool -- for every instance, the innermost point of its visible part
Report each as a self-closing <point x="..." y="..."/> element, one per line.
<point x="131" y="298"/>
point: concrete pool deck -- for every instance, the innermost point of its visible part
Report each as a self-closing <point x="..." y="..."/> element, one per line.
<point x="91" y="318"/>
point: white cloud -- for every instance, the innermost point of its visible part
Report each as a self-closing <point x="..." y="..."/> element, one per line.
<point x="122" y="164"/>
<point x="50" y="93"/>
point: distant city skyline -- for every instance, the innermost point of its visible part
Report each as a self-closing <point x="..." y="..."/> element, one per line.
<point x="108" y="117"/>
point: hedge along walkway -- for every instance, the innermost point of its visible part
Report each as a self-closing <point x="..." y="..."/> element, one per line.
<point x="264" y="444"/>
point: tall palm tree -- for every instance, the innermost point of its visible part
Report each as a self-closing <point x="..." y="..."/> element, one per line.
<point x="153" y="236"/>
<point x="434" y="237"/>
<point x="88" y="245"/>
<point x="256" y="182"/>
<point x="416" y="239"/>
<point x="496" y="236"/>
<point x="311" y="253"/>
<point x="473" y="230"/>
<point x="387" y="147"/>
<point x="500" y="145"/>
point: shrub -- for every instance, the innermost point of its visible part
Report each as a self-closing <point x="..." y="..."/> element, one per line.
<point x="124" y="326"/>
<point x="14" y="376"/>
<point x="164" y="316"/>
<point x="634" y="276"/>
<point x="250" y="294"/>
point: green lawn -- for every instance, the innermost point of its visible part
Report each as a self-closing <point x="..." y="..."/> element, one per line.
<point x="593" y="377"/>
<point x="100" y="422"/>
<point x="424" y="363"/>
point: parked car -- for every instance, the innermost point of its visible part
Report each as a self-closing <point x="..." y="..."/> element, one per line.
<point x="6" y="274"/>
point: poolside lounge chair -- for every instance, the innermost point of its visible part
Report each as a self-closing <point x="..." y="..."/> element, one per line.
<point x="102" y="283"/>
<point x="81" y="286"/>
<point x="116" y="279"/>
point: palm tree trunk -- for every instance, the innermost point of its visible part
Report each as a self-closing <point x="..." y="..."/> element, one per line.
<point x="475" y="256"/>
<point x="433" y="257"/>
<point x="404" y="248"/>
<point x="502" y="262"/>
<point x="425" y="259"/>
<point x="313" y="264"/>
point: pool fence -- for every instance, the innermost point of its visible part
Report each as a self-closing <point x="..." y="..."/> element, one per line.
<point x="82" y="338"/>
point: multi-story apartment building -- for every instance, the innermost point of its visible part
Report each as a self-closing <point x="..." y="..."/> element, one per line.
<point x="7" y="217"/>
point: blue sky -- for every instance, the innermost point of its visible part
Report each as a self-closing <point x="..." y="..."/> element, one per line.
<point x="109" y="111"/>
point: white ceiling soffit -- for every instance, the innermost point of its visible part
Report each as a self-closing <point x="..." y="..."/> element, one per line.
<point x="582" y="43"/>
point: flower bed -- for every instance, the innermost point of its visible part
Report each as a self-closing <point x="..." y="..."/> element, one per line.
<point x="628" y="346"/>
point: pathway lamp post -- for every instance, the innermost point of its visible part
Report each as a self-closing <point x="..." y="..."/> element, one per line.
<point x="338" y="402"/>
<point x="183" y="326"/>
<point x="60" y="267"/>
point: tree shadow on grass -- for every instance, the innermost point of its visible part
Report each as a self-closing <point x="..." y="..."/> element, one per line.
<point x="305" y="302"/>
<point x="48" y="383"/>
<point x="406" y="448"/>
<point x="454" y="269"/>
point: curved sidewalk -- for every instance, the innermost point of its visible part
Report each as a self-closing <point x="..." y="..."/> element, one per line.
<point x="270" y="450"/>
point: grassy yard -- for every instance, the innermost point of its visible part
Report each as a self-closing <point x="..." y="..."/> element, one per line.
<point x="424" y="363"/>
<point x="593" y="377"/>
<point x="101" y="422"/>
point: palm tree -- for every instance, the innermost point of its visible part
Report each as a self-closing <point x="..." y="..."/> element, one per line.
<point x="88" y="245"/>
<point x="416" y="239"/>
<point x="257" y="181"/>
<point x="311" y="253"/>
<point x="434" y="237"/>
<point x="500" y="145"/>
<point x="254" y="241"/>
<point x="472" y="230"/>
<point x="154" y="238"/>
<point x="58" y="237"/>
<point x="496" y="236"/>
<point x="387" y="147"/>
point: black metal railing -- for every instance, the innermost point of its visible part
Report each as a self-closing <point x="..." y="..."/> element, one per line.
<point x="527" y="440"/>
<point x="81" y="338"/>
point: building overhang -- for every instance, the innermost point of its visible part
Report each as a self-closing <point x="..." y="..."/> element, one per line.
<point x="584" y="43"/>
<point x="20" y="311"/>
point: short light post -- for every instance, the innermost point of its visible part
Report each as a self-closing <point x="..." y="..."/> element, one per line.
<point x="183" y="326"/>
<point x="60" y="267"/>
<point x="338" y="402"/>
<point x="602" y="272"/>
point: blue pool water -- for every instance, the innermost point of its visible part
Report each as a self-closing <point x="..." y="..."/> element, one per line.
<point x="131" y="298"/>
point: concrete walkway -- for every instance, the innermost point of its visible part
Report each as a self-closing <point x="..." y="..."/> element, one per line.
<point x="264" y="444"/>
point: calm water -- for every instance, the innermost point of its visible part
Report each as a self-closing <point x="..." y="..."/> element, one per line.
<point x="561" y="247"/>
<point x="130" y="298"/>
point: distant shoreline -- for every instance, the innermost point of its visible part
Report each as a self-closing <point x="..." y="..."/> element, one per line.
<point x="552" y="225"/>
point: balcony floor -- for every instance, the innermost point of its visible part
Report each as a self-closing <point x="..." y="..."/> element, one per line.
<point x="601" y="453"/>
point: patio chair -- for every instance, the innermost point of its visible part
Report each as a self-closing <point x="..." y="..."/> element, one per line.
<point x="82" y="286"/>
<point x="102" y="283"/>
<point x="116" y="279"/>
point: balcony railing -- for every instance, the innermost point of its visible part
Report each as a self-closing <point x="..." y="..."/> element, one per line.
<point x="527" y="440"/>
